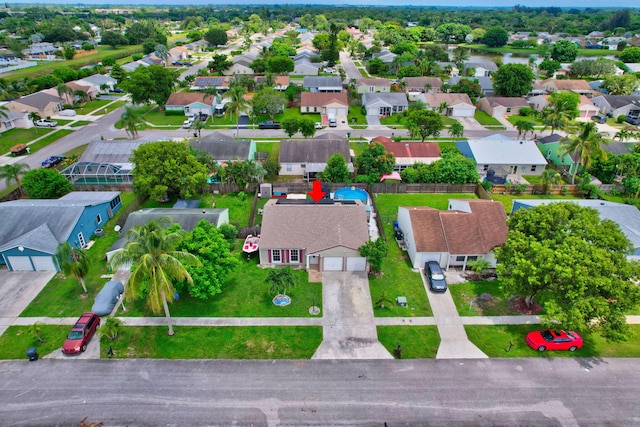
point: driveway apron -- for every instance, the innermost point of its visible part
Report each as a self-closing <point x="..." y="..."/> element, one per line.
<point x="349" y="330"/>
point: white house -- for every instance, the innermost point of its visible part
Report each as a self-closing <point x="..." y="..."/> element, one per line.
<point x="455" y="104"/>
<point x="384" y="104"/>
<point x="307" y="157"/>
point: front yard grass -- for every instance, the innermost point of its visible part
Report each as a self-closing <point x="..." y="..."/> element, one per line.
<point x="507" y="199"/>
<point x="79" y="123"/>
<point x="465" y="296"/>
<point x="417" y="342"/>
<point x="487" y="121"/>
<point x="20" y="136"/>
<point x="494" y="341"/>
<point x="49" y="139"/>
<point x="92" y="106"/>
<point x="356" y="117"/>
<point x="537" y="123"/>
<point x="17" y="339"/>
<point x="159" y="118"/>
<point x="248" y="342"/>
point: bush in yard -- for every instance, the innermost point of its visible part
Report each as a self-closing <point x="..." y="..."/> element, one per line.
<point x="45" y="184"/>
<point x="527" y="111"/>
<point x="375" y="251"/>
<point x="229" y="231"/>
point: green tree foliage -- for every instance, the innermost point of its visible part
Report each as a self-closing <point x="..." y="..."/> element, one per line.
<point x="564" y="51"/>
<point x="377" y="66"/>
<point x="495" y="37"/>
<point x="625" y="84"/>
<point x="424" y="123"/>
<point x="113" y="39"/>
<point x="243" y="173"/>
<point x="153" y="83"/>
<point x="111" y="328"/>
<point x="451" y="32"/>
<point x="630" y="54"/>
<point x="574" y="264"/>
<point x="452" y="168"/>
<point x="524" y="127"/>
<point x="409" y="71"/>
<point x="375" y="160"/>
<point x="469" y="86"/>
<point x="281" y="280"/>
<point x="219" y="63"/>
<point x="138" y="32"/>
<point x="230" y="232"/>
<point x="216" y="37"/>
<point x="307" y="127"/>
<point x="268" y="100"/>
<point x="292" y="91"/>
<point x="74" y="262"/>
<point x="12" y="173"/>
<point x="45" y="184"/>
<point x="118" y="73"/>
<point x="549" y="66"/>
<point x="375" y="251"/>
<point x="167" y="168"/>
<point x="156" y="264"/>
<point x="592" y="68"/>
<point x="280" y="65"/>
<point x="586" y="145"/>
<point x="290" y="125"/>
<point x="210" y="246"/>
<point x="513" y="80"/>
<point x="130" y="120"/>
<point x="336" y="170"/>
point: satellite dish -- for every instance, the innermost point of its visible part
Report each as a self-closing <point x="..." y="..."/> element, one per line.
<point x="117" y="228"/>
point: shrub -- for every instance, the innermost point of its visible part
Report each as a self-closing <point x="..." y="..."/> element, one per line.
<point x="174" y="113"/>
<point x="526" y="111"/>
<point x="137" y="56"/>
<point x="229" y="232"/>
<point x="621" y="118"/>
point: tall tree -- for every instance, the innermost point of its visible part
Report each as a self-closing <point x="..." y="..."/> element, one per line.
<point x="45" y="183"/>
<point x="12" y="173"/>
<point x="151" y="251"/>
<point x="130" y="119"/>
<point x="495" y="37"/>
<point x="424" y="123"/>
<point x="586" y="144"/>
<point x="375" y="160"/>
<point x="216" y="37"/>
<point x="162" y="52"/>
<point x="336" y="170"/>
<point x="153" y="83"/>
<point x="73" y="261"/>
<point x="562" y="108"/>
<point x="237" y="103"/>
<point x="456" y="130"/>
<point x="524" y="127"/>
<point x="513" y="80"/>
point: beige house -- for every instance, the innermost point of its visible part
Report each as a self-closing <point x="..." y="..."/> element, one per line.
<point x="586" y="108"/>
<point x="373" y="85"/>
<point x="307" y="157"/>
<point x="501" y="106"/>
<point x="44" y="104"/>
<point x="578" y="86"/>
<point x="452" y="104"/>
<point x="422" y="84"/>
<point x="325" y="103"/>
<point x="318" y="236"/>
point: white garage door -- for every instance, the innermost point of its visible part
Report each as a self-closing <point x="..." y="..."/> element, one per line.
<point x="430" y="257"/>
<point x="43" y="263"/>
<point x="332" y="264"/>
<point x="356" y="263"/>
<point x="20" y="263"/>
<point x="331" y="112"/>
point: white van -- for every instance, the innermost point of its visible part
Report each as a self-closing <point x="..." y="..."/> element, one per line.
<point x="332" y="122"/>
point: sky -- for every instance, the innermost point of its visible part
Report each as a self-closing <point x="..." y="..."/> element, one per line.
<point x="444" y="3"/>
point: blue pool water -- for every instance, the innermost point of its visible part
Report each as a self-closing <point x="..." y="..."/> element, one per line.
<point x="351" y="193"/>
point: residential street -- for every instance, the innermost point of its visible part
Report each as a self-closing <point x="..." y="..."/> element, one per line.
<point x="540" y="392"/>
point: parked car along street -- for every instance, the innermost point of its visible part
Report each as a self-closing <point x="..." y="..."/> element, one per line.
<point x="107" y="298"/>
<point x="46" y="123"/>
<point x="52" y="161"/>
<point x="554" y="340"/>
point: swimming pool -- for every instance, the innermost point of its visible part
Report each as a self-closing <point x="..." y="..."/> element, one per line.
<point x="351" y="193"/>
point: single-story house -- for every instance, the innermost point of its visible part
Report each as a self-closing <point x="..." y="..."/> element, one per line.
<point x="467" y="231"/>
<point x="586" y="107"/>
<point x="44" y="104"/>
<point x="373" y="85"/>
<point x="409" y="153"/>
<point x="457" y="104"/>
<point x="187" y="218"/>
<point x="486" y="84"/>
<point x="42" y="50"/>
<point x="551" y="148"/>
<point x="325" y="103"/>
<point x="220" y="83"/>
<point x="224" y="148"/>
<point x="102" y="82"/>
<point x="322" y="236"/>
<point x="501" y="156"/>
<point x="307" y="157"/>
<point x="304" y="67"/>
<point x="617" y="105"/>
<point x="422" y="84"/>
<point x="15" y="120"/>
<point x="31" y="230"/>
<point x="239" y="67"/>
<point x="384" y="104"/>
<point x="323" y="83"/>
<point x="577" y="86"/>
<point x="279" y="82"/>
<point x="191" y="102"/>
<point x="70" y="98"/>
<point x="481" y="69"/>
<point x="501" y="106"/>
<point x="385" y="56"/>
<point x="178" y="53"/>
<point x="626" y="216"/>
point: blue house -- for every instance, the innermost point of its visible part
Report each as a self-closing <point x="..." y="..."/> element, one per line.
<point x="31" y="230"/>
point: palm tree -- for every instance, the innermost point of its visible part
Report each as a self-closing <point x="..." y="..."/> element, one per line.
<point x="36" y="330"/>
<point x="150" y="250"/>
<point x="198" y="126"/>
<point x="130" y="120"/>
<point x="456" y="130"/>
<point x="281" y="280"/>
<point x="12" y="172"/>
<point x="4" y="112"/>
<point x="111" y="328"/>
<point x="34" y="117"/>
<point x="162" y="52"/>
<point x="65" y="92"/>
<point x="557" y="116"/>
<point x="524" y="127"/>
<point x="550" y="177"/>
<point x="442" y="108"/>
<point x="237" y="103"/>
<point x="73" y="261"/>
<point x="624" y="134"/>
<point x="586" y="144"/>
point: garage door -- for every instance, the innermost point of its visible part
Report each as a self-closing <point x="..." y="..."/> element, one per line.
<point x="356" y="263"/>
<point x="331" y="111"/>
<point x="43" y="263"/>
<point x="20" y="263"/>
<point x="430" y="257"/>
<point x="332" y="264"/>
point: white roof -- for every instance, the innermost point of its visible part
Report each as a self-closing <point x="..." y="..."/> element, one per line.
<point x="499" y="149"/>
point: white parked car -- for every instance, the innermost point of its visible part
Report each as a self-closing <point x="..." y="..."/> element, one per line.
<point x="318" y="125"/>
<point x="47" y="123"/>
<point x="187" y="123"/>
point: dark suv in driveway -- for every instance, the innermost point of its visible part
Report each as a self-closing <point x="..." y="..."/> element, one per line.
<point x="435" y="275"/>
<point x="599" y="119"/>
<point x="633" y="120"/>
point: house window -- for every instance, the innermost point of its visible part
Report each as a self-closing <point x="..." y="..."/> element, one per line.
<point x="533" y="168"/>
<point x="294" y="256"/>
<point x="315" y="109"/>
<point x="372" y="89"/>
<point x="99" y="219"/>
<point x="485" y="168"/>
<point x="276" y="256"/>
<point x="460" y="258"/>
<point x="472" y="258"/>
<point x="115" y="202"/>
<point x="288" y="168"/>
<point x="186" y="110"/>
<point x="509" y="110"/>
<point x="307" y="110"/>
<point x="81" y="241"/>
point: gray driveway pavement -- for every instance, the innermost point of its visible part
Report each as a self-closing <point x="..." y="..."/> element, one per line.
<point x="17" y="290"/>
<point x="349" y="330"/>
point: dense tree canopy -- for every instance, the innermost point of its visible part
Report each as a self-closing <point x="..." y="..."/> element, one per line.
<point x="336" y="170"/>
<point x="216" y="37"/>
<point x="495" y="37"/>
<point x="513" y="80"/>
<point x="375" y="160"/>
<point x="45" y="184"/>
<point x="631" y="54"/>
<point x="153" y="83"/>
<point x="113" y="39"/>
<point x="564" y="51"/>
<point x="574" y="264"/>
<point x="452" y="168"/>
<point x="424" y="123"/>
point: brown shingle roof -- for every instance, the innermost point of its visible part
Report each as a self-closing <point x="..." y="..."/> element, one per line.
<point x="505" y="101"/>
<point x="569" y="84"/>
<point x="322" y="98"/>
<point x="427" y="229"/>
<point x="313" y="227"/>
<point x="414" y="149"/>
<point x="186" y="98"/>
<point x="373" y="82"/>
<point x="435" y="99"/>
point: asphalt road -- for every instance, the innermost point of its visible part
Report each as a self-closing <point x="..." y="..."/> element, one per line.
<point x="350" y="69"/>
<point x="540" y="392"/>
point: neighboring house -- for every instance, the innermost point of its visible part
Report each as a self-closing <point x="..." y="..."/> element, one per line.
<point x="318" y="236"/>
<point x="385" y="56"/>
<point x="151" y="59"/>
<point x="31" y="230"/>
<point x="486" y="84"/>
<point x="99" y="81"/>
<point x="304" y="67"/>
<point x="191" y="102"/>
<point x="373" y="85"/>
<point x="187" y="219"/>
<point x="422" y="84"/>
<point x="384" y="104"/>
<point x="44" y="50"/>
<point x="501" y="156"/>
<point x="551" y="148"/>
<point x="409" y="153"/>
<point x="280" y="83"/>
<point x="130" y="67"/>
<point x="225" y="149"/>
<point x="626" y="216"/>
<point x="449" y="67"/>
<point x="469" y="230"/>
<point x="616" y="105"/>
<point x="71" y="98"/>
<point x="451" y="104"/>
<point x="481" y="69"/>
<point x="323" y="83"/>
<point x="586" y="108"/>
<point x="44" y="104"/>
<point x="307" y="157"/>
<point x="220" y="83"/>
<point x="578" y="86"/>
<point x="178" y="53"/>
<point x="326" y="103"/>
<point x="501" y="106"/>
<point x="239" y="67"/>
<point x="15" y="120"/>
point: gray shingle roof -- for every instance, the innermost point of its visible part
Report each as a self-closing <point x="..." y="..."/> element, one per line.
<point x="618" y="101"/>
<point x="39" y="100"/>
<point x="322" y="81"/>
<point x="313" y="150"/>
<point x="222" y="147"/>
<point x="390" y="98"/>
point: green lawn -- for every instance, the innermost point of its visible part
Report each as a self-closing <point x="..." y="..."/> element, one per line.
<point x="17" y="339"/>
<point x="417" y="342"/>
<point x="64" y="297"/>
<point x="49" y="139"/>
<point x="356" y="118"/>
<point x="397" y="120"/>
<point x="239" y="206"/>
<point x="487" y="121"/>
<point x="465" y="296"/>
<point x="494" y="341"/>
<point x="507" y="199"/>
<point x="250" y="342"/>
<point x="358" y="146"/>
<point x="159" y="118"/>
<point x="273" y="148"/>
<point x="537" y="123"/>
<point x="113" y="106"/>
<point x="533" y="179"/>
<point x="80" y="123"/>
<point x="91" y="106"/>
<point x="20" y="136"/>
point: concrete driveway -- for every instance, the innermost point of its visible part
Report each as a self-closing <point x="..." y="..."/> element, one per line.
<point x="17" y="290"/>
<point x="470" y="123"/>
<point x="349" y="330"/>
